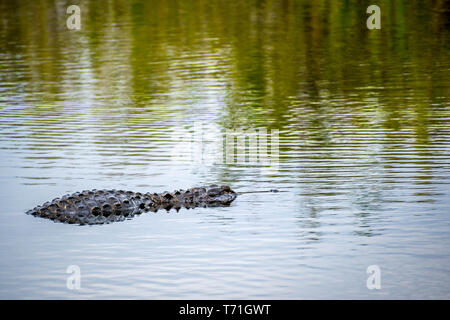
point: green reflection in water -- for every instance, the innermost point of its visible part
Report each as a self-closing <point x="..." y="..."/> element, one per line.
<point x="308" y="68"/>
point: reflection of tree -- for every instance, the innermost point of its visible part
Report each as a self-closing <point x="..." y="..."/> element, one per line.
<point x="308" y="68"/>
<point x="282" y="52"/>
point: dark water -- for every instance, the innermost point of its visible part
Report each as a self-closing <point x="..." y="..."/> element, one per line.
<point x="141" y="98"/>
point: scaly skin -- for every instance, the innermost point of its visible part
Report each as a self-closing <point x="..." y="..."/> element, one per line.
<point x="105" y="206"/>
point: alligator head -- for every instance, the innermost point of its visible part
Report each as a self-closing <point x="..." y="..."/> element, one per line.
<point x="210" y="196"/>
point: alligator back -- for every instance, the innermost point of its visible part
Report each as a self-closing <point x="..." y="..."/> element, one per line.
<point x="105" y="206"/>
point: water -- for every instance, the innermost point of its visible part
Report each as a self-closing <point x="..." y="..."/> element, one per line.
<point x="143" y="95"/>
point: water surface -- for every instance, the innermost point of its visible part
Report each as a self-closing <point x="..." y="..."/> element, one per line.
<point x="143" y="95"/>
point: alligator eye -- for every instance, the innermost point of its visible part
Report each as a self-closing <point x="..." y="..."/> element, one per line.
<point x="226" y="188"/>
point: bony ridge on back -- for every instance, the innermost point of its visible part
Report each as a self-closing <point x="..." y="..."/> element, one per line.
<point x="104" y="206"/>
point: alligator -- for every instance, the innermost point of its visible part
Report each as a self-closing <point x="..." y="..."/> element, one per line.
<point x="106" y="206"/>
